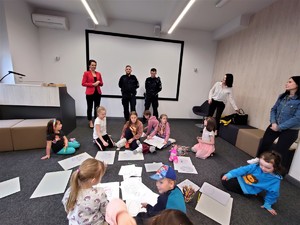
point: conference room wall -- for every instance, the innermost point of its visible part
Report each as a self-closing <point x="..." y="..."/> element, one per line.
<point x="199" y="52"/>
<point x="22" y="41"/>
<point x="262" y="58"/>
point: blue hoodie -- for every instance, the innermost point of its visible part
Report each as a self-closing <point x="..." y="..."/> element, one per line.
<point x="253" y="180"/>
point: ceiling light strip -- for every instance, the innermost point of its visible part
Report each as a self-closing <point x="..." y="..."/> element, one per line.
<point x="88" y="9"/>
<point x="188" y="6"/>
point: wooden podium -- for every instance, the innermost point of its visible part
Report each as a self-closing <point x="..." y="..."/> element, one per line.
<point x="25" y="101"/>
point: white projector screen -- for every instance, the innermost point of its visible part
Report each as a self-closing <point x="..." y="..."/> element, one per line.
<point x="114" y="51"/>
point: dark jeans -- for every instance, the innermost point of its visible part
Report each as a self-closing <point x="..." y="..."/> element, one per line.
<point x="128" y="135"/>
<point x="220" y="106"/>
<point x="90" y="100"/>
<point x="100" y="144"/>
<point x="285" y="139"/>
<point x="232" y="185"/>
<point x="154" y="101"/>
<point x="126" y="100"/>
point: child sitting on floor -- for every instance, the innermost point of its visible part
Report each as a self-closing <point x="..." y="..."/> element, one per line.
<point x="84" y="202"/>
<point x="255" y="178"/>
<point x="170" y="196"/>
<point x="152" y="122"/>
<point x="100" y="136"/>
<point x="57" y="141"/>
<point x="131" y="133"/>
<point x="206" y="143"/>
<point x="162" y="130"/>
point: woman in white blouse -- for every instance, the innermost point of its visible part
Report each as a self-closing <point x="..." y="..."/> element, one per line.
<point x="218" y="95"/>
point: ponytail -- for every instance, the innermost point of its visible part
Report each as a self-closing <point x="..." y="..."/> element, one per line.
<point x="89" y="169"/>
<point x="74" y="189"/>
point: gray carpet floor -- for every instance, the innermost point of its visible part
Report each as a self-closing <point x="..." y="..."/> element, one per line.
<point x="19" y="209"/>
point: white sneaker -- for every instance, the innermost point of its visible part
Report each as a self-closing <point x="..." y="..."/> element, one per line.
<point x="172" y="140"/>
<point x="152" y="149"/>
<point x="138" y="149"/>
<point x="121" y="143"/>
<point x="253" y="161"/>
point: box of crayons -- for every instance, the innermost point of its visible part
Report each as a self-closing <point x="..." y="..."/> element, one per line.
<point x="188" y="193"/>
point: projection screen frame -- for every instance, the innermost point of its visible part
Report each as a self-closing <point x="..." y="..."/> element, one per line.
<point x="87" y="32"/>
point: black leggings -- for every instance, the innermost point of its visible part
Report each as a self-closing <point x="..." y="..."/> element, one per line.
<point x="128" y="135"/>
<point x="232" y="185"/>
<point x="90" y="99"/>
<point x="220" y="106"/>
<point x="100" y="145"/>
<point x="285" y="139"/>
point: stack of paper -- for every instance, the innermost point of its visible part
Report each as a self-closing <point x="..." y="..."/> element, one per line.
<point x="215" y="203"/>
<point x="135" y="193"/>
<point x="185" y="165"/>
<point x="130" y="171"/>
<point x="111" y="189"/>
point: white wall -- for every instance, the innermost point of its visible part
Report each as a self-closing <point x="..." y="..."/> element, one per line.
<point x="34" y="50"/>
<point x="23" y="40"/>
<point x="199" y="52"/>
<point x="5" y="56"/>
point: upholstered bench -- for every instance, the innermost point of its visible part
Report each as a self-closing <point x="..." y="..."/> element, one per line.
<point x="230" y="132"/>
<point x="248" y="140"/>
<point x="5" y="134"/>
<point x="29" y="134"/>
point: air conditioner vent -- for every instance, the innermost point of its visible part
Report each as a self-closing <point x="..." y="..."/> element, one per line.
<point x="49" y="21"/>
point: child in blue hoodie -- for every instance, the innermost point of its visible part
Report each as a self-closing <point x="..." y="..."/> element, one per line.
<point x="255" y="178"/>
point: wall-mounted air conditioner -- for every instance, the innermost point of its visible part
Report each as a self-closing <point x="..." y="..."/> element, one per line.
<point x="49" y="21"/>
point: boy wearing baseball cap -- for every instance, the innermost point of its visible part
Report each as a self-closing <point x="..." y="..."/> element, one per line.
<point x="170" y="196"/>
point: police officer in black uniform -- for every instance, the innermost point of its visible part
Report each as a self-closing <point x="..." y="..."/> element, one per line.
<point x="128" y="84"/>
<point x="152" y="86"/>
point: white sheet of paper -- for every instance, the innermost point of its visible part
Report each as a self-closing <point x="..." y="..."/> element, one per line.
<point x="214" y="210"/>
<point x="136" y="172"/>
<point x="140" y="191"/>
<point x="188" y="183"/>
<point x="152" y="167"/>
<point x="107" y="157"/>
<point x="74" y="161"/>
<point x="155" y="141"/>
<point x="185" y="165"/>
<point x="215" y="193"/>
<point x="112" y="189"/>
<point x="134" y="207"/>
<point x="135" y="196"/>
<point x="133" y="179"/>
<point x="9" y="187"/>
<point x="124" y="169"/>
<point x="128" y="155"/>
<point x="52" y="183"/>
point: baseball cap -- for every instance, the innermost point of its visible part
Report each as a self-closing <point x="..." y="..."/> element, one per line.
<point x="164" y="171"/>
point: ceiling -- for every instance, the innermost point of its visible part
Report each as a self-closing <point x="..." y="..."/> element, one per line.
<point x="203" y="15"/>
